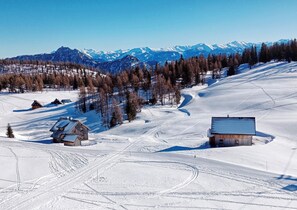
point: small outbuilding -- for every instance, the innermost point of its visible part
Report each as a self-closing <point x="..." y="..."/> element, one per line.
<point x="69" y="131"/>
<point x="56" y="102"/>
<point x="231" y="131"/>
<point x="65" y="101"/>
<point x="36" y="104"/>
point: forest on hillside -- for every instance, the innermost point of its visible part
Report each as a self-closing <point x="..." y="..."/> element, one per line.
<point x="120" y="96"/>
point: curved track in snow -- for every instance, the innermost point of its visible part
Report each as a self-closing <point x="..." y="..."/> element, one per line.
<point x="65" y="183"/>
<point x="174" y="164"/>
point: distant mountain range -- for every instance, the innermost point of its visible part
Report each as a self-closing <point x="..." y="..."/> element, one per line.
<point x="118" y="60"/>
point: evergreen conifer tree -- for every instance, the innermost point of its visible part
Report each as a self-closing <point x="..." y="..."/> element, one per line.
<point x="131" y="106"/>
<point x="9" y="132"/>
<point x="113" y="120"/>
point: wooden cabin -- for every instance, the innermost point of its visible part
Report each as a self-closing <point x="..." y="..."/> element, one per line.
<point x="69" y="131"/>
<point x="65" y="101"/>
<point x="231" y="131"/>
<point x="36" y="105"/>
<point x="56" y="102"/>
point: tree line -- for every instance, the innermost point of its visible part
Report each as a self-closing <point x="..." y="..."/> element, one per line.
<point x="278" y="52"/>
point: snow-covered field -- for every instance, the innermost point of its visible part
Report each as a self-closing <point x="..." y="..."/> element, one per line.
<point x="162" y="159"/>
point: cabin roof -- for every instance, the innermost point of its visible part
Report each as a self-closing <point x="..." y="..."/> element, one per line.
<point x="62" y="123"/>
<point x="70" y="138"/>
<point x="66" y="124"/>
<point x="36" y="103"/>
<point x="56" y="101"/>
<point x="233" y="125"/>
<point x="69" y="127"/>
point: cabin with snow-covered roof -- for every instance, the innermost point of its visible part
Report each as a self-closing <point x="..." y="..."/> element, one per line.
<point x="69" y="131"/>
<point x="36" y="104"/>
<point x="56" y="102"/>
<point x="231" y="131"/>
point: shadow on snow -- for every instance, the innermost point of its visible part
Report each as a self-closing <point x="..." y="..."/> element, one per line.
<point x="181" y="148"/>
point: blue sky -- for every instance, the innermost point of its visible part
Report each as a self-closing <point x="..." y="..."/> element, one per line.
<point x="37" y="26"/>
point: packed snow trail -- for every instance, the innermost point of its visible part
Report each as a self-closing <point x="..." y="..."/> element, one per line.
<point x="18" y="181"/>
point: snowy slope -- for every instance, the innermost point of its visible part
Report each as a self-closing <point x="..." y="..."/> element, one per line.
<point x="161" y="160"/>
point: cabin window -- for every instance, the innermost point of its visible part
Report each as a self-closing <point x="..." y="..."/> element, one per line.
<point x="236" y="142"/>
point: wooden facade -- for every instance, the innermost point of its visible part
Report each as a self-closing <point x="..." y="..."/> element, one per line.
<point x="77" y="142"/>
<point x="226" y="140"/>
<point x="82" y="131"/>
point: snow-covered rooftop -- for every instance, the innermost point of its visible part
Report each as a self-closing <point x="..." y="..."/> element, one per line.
<point x="68" y="129"/>
<point x="70" y="138"/>
<point x="62" y="123"/>
<point x="233" y="125"/>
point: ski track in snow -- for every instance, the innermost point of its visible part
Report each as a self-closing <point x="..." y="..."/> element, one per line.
<point x="194" y="174"/>
<point x="18" y="181"/>
<point x="64" y="184"/>
<point x="270" y="97"/>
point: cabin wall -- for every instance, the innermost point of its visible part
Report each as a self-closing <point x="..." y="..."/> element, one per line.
<point x="56" y="140"/>
<point x="76" y="143"/>
<point x="35" y="106"/>
<point x="66" y="143"/>
<point x="81" y="131"/>
<point x="85" y="133"/>
<point x="232" y="140"/>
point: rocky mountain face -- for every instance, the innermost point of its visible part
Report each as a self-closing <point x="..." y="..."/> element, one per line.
<point x="63" y="54"/>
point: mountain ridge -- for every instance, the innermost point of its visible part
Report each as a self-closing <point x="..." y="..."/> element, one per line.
<point x="115" y="61"/>
<point x="227" y="47"/>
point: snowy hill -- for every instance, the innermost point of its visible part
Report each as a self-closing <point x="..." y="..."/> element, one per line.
<point x="161" y="160"/>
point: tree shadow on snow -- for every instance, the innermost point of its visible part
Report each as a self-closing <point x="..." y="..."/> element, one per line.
<point x="287" y="177"/>
<point x="22" y="110"/>
<point x="67" y="107"/>
<point x="185" y="111"/>
<point x="45" y="141"/>
<point x="181" y="148"/>
<point x="291" y="188"/>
